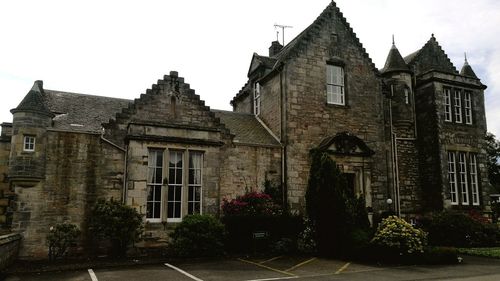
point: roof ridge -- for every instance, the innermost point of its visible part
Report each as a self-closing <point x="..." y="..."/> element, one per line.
<point x="314" y="26"/>
<point x="89" y="95"/>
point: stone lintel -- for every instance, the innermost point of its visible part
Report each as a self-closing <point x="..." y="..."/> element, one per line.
<point x="174" y="140"/>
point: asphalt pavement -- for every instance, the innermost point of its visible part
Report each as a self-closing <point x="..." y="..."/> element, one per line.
<point x="275" y="268"/>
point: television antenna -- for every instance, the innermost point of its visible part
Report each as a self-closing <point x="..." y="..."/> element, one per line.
<point x="282" y="30"/>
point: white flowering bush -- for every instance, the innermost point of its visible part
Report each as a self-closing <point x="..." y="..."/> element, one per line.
<point x="397" y="235"/>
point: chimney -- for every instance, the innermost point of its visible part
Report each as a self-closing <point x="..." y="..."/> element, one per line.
<point x="275" y="48"/>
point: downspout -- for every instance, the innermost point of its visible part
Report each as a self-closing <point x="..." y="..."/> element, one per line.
<point x="283" y="137"/>
<point x="395" y="180"/>
<point x="125" y="174"/>
<point x="125" y="150"/>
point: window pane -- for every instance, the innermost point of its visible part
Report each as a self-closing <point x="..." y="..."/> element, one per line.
<point x="170" y="210"/>
<point x="170" y="194"/>
<point x="150" y="194"/>
<point x="178" y="176"/>
<point x="190" y="194"/>
<point x="149" y="210"/>
<point x="452" y="178"/>
<point x="156" y="213"/>
<point x="177" y="210"/>
<point x="178" y="191"/>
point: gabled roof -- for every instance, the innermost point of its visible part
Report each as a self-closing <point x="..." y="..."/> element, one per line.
<point x="260" y="61"/>
<point x="430" y="57"/>
<point x="304" y="37"/>
<point x="33" y="101"/>
<point x="395" y="61"/>
<point x="82" y="113"/>
<point x="246" y="128"/>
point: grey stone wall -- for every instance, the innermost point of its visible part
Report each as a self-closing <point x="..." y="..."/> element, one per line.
<point x="428" y="146"/>
<point x="79" y="169"/>
<point x="246" y="168"/>
<point x="310" y="119"/>
<point x="270" y="112"/>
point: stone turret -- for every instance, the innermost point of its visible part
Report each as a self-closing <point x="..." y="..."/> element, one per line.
<point x="31" y="118"/>
<point x="401" y="124"/>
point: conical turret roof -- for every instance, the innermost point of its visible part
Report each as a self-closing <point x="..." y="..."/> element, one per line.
<point x="467" y="70"/>
<point x="33" y="101"/>
<point x="395" y="61"/>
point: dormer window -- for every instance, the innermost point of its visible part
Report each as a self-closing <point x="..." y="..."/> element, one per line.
<point x="256" y="99"/>
<point x="335" y="93"/>
<point x="29" y="143"/>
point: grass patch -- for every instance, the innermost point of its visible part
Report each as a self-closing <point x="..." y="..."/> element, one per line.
<point x="492" y="252"/>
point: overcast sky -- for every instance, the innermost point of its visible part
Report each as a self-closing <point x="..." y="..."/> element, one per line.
<point x="120" y="48"/>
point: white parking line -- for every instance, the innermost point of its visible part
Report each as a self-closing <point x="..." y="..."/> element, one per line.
<point x="276" y="278"/>
<point x="92" y="275"/>
<point x="183" y="272"/>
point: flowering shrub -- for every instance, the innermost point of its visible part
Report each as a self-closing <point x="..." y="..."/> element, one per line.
<point x="252" y="203"/>
<point x="398" y="235"/>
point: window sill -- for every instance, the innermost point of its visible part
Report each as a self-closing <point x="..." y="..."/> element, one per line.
<point x="332" y="105"/>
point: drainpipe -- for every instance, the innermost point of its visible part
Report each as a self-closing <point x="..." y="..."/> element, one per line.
<point x="394" y="150"/>
<point x="125" y="174"/>
<point x="283" y="137"/>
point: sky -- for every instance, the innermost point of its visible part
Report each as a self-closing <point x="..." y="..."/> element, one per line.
<point x="120" y="48"/>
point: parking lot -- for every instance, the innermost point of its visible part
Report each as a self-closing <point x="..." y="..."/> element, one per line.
<point x="276" y="268"/>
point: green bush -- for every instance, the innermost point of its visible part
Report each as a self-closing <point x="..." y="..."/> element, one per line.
<point x="60" y="238"/>
<point x="396" y="236"/>
<point x="119" y="223"/>
<point x="198" y="236"/>
<point x="455" y="229"/>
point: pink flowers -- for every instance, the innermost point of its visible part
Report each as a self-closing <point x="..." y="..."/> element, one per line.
<point x="252" y="203"/>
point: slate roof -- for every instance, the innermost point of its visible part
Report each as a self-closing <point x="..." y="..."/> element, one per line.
<point x="246" y="128"/>
<point x="82" y="113"/>
<point x="395" y="61"/>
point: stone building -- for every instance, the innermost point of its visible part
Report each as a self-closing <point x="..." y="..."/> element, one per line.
<point x="411" y="132"/>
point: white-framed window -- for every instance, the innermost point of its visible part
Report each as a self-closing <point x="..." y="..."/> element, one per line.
<point x="464" y="187"/>
<point x="447" y="105"/>
<point x="468" y="107"/>
<point x="181" y="192"/>
<point x="335" y="92"/>
<point x="452" y="178"/>
<point x="154" y="185"/>
<point x="195" y="182"/>
<point x="256" y="99"/>
<point x="473" y="179"/>
<point x="29" y="143"/>
<point x="458" y="106"/>
<point x="175" y="183"/>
